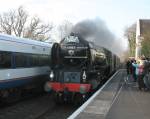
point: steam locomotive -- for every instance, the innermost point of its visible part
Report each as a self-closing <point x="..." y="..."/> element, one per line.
<point x="78" y="68"/>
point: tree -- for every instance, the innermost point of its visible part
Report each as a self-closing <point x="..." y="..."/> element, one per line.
<point x="6" y="22"/>
<point x="20" y="19"/>
<point x="146" y="44"/>
<point x="130" y="34"/>
<point x="18" y="23"/>
<point x="38" y="30"/>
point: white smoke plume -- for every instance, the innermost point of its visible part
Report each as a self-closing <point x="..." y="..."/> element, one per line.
<point x="97" y="31"/>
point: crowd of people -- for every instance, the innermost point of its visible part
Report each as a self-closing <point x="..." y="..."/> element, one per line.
<point x="139" y="69"/>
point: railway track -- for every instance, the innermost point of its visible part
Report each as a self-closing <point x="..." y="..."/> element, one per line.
<point x="37" y="107"/>
<point x="42" y="107"/>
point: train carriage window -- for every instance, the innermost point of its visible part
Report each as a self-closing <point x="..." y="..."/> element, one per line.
<point x="44" y="60"/>
<point x="47" y="60"/>
<point x="34" y="60"/>
<point x="40" y="60"/>
<point x="5" y="60"/>
<point x="20" y="60"/>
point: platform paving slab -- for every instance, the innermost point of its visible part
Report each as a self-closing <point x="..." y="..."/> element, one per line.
<point x="129" y="103"/>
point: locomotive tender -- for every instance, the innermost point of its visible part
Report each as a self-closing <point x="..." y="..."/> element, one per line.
<point x="24" y="65"/>
<point x="78" y="68"/>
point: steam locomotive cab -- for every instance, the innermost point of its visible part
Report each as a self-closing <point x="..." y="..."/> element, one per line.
<point x="78" y="67"/>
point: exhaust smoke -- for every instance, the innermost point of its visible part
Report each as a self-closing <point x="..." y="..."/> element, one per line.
<point x="97" y="32"/>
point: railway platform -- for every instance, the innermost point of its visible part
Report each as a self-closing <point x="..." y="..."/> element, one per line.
<point x="119" y="98"/>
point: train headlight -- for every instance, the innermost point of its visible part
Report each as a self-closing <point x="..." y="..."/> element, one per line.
<point x="51" y="75"/>
<point x="84" y="77"/>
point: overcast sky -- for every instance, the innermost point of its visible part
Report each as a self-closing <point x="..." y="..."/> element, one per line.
<point x="117" y="14"/>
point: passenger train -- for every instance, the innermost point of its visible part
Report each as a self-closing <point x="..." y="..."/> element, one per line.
<point x="24" y="65"/>
<point x="78" y="68"/>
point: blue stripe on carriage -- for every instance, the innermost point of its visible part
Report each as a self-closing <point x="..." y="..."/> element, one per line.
<point x="11" y="83"/>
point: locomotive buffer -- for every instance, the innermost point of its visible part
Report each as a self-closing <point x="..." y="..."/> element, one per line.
<point x="119" y="98"/>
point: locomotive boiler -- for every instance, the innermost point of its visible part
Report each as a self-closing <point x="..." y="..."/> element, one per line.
<point x="78" y="68"/>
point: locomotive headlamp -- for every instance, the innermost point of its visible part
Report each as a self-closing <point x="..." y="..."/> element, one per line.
<point x="51" y="75"/>
<point x="84" y="77"/>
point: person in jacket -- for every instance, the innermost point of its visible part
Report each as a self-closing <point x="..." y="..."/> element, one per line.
<point x="133" y="71"/>
<point x="128" y="65"/>
<point x="139" y="71"/>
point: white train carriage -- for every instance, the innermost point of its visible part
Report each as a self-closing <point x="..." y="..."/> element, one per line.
<point x="22" y="62"/>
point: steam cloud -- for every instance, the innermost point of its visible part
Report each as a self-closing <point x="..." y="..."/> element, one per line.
<point x="96" y="31"/>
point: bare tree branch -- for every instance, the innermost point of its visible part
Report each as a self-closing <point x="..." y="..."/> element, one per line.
<point x="6" y="22"/>
<point x="20" y="20"/>
<point x="130" y="34"/>
<point x="37" y="29"/>
<point x="18" y="23"/>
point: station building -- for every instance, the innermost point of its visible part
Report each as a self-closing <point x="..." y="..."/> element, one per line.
<point x="142" y="29"/>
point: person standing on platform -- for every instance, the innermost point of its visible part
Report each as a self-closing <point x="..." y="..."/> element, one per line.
<point x="134" y="71"/>
<point x="128" y="63"/>
<point x="146" y="74"/>
<point x="139" y="71"/>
